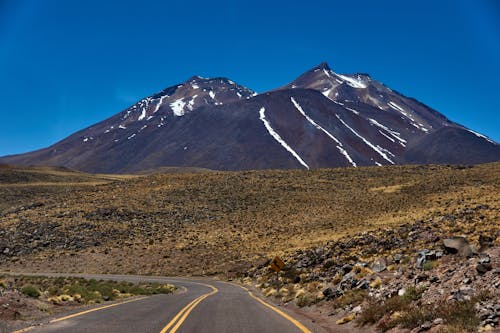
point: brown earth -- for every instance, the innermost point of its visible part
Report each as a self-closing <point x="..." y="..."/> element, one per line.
<point x="215" y="222"/>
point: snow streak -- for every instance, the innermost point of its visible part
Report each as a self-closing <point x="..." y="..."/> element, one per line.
<point x="160" y="102"/>
<point x="277" y="137"/>
<point x="339" y="144"/>
<point x="355" y="83"/>
<point x="377" y="148"/>
<point x="480" y="135"/>
<point x="394" y="134"/>
<point x="143" y="114"/>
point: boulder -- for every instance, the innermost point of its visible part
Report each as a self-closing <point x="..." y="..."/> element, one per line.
<point x="331" y="293"/>
<point x="458" y="245"/>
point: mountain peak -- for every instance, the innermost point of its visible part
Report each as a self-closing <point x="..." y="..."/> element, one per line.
<point x="323" y="65"/>
<point x="196" y="78"/>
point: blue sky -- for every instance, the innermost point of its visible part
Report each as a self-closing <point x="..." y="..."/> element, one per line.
<point x="66" y="64"/>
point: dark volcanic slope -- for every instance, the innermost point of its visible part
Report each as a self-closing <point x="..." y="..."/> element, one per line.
<point x="322" y="119"/>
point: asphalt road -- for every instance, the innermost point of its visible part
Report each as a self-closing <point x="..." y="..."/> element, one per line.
<point x="202" y="305"/>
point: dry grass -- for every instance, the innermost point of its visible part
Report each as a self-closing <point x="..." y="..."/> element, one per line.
<point x="222" y="222"/>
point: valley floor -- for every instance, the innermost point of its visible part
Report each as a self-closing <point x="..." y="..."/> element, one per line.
<point x="229" y="224"/>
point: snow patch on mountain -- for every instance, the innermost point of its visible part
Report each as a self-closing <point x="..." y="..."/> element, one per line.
<point x="355" y="83"/>
<point x="142" y="115"/>
<point x="389" y="131"/>
<point x="408" y="115"/>
<point x="376" y="148"/>
<point x="178" y="107"/>
<point x="312" y="122"/>
<point x="190" y="104"/>
<point x="159" y="104"/>
<point x="481" y="136"/>
<point x="277" y="137"/>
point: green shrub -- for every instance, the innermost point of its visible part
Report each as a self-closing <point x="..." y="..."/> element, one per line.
<point x="413" y="293"/>
<point x="416" y="316"/>
<point x="460" y="315"/>
<point x="350" y="297"/>
<point x="376" y="310"/>
<point x="30" y="291"/>
<point x="304" y="300"/>
<point x="429" y="265"/>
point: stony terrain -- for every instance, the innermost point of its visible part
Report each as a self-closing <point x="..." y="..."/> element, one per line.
<point x="348" y="236"/>
<point x="401" y="276"/>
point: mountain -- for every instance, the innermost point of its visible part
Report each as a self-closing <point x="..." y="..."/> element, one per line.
<point x="321" y="119"/>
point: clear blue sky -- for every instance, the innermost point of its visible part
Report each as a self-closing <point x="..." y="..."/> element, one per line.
<point x="66" y="64"/>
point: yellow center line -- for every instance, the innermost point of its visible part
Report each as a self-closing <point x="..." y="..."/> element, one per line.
<point x="96" y="309"/>
<point x="294" y="321"/>
<point x="185" y="311"/>
<point x="275" y="309"/>
<point x="179" y="314"/>
<point x="26" y="329"/>
<point x="80" y="313"/>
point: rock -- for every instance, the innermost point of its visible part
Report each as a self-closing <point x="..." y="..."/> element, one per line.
<point x="363" y="284"/>
<point x="331" y="293"/>
<point x="485" y="242"/>
<point x="357" y="309"/>
<point x="483" y="268"/>
<point x="434" y="279"/>
<point x="421" y="258"/>
<point x="421" y="277"/>
<point x="438" y="321"/>
<point x="346" y="268"/>
<point x="401" y="291"/>
<point x="426" y="255"/>
<point x="485" y="259"/>
<point x="380" y="265"/>
<point x="458" y="245"/>
<point x="426" y="326"/>
<point x="397" y="258"/>
<point x="486" y="328"/>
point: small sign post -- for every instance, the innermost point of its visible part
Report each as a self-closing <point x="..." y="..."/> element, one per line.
<point x="277" y="265"/>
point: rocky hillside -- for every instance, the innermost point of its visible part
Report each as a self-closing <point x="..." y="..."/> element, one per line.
<point x="441" y="274"/>
<point x="321" y="119"/>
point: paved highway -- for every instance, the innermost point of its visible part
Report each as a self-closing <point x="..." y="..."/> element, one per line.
<point x="202" y="305"/>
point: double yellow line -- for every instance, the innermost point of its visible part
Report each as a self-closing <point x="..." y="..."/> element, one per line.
<point x="177" y="321"/>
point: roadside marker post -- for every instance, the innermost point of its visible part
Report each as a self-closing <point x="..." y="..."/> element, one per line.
<point x="277" y="265"/>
